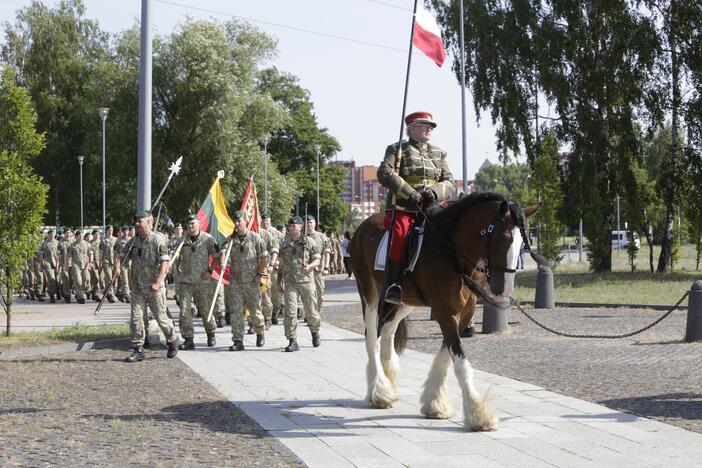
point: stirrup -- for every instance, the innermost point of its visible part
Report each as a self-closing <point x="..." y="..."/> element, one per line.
<point x="393" y="294"/>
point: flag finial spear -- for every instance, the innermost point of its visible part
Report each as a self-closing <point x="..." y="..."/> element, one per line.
<point x="220" y="174"/>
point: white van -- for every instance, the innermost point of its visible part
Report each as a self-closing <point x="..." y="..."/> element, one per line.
<point x="621" y="238"/>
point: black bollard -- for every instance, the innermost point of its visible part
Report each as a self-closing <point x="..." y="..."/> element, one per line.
<point x="545" y="297"/>
<point x="496" y="319"/>
<point x="693" y="331"/>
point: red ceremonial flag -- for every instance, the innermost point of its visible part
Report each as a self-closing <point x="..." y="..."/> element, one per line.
<point x="250" y="206"/>
<point x="427" y="36"/>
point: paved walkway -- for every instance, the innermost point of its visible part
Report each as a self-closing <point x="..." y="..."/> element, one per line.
<point x="312" y="401"/>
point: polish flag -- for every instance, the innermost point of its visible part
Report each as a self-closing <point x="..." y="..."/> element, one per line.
<point x="427" y="36"/>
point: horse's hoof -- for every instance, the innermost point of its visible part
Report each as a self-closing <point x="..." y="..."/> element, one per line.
<point x="380" y="404"/>
<point x="435" y="410"/>
<point x="483" y="427"/>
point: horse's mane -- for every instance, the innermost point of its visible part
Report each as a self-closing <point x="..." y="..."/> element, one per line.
<point x="443" y="219"/>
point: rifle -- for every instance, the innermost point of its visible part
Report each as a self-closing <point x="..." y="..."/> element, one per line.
<point x="221" y="275"/>
<point x="175" y="169"/>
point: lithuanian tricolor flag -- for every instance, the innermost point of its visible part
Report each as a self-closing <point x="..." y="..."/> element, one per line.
<point x="213" y="214"/>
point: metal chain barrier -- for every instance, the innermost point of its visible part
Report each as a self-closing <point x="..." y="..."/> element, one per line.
<point x="625" y="335"/>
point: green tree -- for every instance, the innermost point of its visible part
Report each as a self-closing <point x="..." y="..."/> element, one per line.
<point x="22" y="192"/>
<point x="546" y="176"/>
<point x="293" y="147"/>
<point x="54" y="51"/>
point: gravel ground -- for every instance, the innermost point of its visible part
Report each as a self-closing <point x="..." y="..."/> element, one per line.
<point x="654" y="374"/>
<point x="90" y="408"/>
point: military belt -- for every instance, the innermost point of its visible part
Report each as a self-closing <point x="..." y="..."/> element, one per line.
<point x="420" y="181"/>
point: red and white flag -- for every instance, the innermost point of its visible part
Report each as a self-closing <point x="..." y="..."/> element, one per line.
<point x="427" y="36"/>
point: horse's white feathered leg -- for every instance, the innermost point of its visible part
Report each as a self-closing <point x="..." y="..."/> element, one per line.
<point x="435" y="399"/>
<point x="388" y="357"/>
<point x="381" y="393"/>
<point x="478" y="416"/>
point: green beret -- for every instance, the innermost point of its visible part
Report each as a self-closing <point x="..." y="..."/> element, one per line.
<point x="141" y="215"/>
<point x="78" y="232"/>
<point x="95" y="231"/>
<point x="239" y="214"/>
<point x="109" y="226"/>
<point x="67" y="229"/>
<point x="280" y="226"/>
<point x="309" y="218"/>
<point x="49" y="231"/>
<point x="59" y="231"/>
<point x="179" y="226"/>
<point x="124" y="228"/>
<point x="265" y="215"/>
<point x="295" y="220"/>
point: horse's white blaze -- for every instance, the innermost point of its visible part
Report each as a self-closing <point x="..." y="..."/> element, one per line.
<point x="512" y="257"/>
<point x="435" y="399"/>
<point x="476" y="412"/>
<point x="388" y="357"/>
<point x="381" y="393"/>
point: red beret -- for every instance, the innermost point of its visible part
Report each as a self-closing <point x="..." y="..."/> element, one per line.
<point x="420" y="117"/>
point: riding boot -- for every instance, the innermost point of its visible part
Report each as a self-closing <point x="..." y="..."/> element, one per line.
<point x="393" y="294"/>
<point x="137" y="354"/>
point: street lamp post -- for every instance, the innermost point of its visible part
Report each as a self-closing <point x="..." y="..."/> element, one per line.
<point x="265" y="172"/>
<point x="318" y="149"/>
<point x="619" y="234"/>
<point x="103" y="114"/>
<point x="80" y="163"/>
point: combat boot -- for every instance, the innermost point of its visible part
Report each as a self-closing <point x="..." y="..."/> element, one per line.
<point x="393" y="294"/>
<point x="227" y="319"/>
<point x="211" y="340"/>
<point x="52" y="299"/>
<point x="316" y="340"/>
<point x="147" y="343"/>
<point x="221" y="321"/>
<point x="274" y="318"/>
<point x="268" y="323"/>
<point x="292" y="346"/>
<point x="237" y="346"/>
<point x="79" y="301"/>
<point x="173" y="349"/>
<point x="188" y="343"/>
<point x="260" y="340"/>
<point x="137" y="354"/>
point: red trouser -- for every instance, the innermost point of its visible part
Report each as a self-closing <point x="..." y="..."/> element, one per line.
<point x="401" y="226"/>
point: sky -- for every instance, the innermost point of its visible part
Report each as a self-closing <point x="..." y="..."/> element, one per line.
<point x="352" y="57"/>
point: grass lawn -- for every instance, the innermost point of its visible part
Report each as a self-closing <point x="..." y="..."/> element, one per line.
<point x="574" y="283"/>
<point x="74" y="334"/>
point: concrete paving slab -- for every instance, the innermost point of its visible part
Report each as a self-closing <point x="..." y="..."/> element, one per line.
<point x="312" y="401"/>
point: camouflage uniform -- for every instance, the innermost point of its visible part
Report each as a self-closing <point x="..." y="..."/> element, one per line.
<point x="49" y="250"/>
<point x="271" y="242"/>
<point x="192" y="262"/>
<point x="294" y="255"/>
<point x="325" y="249"/>
<point x="107" y="253"/>
<point x="27" y="280"/>
<point x="38" y="267"/>
<point x="146" y="257"/>
<point x="79" y="252"/>
<point x="95" y="280"/>
<point x="65" y="268"/>
<point x="245" y="254"/>
<point x="276" y="296"/>
<point x="123" y="292"/>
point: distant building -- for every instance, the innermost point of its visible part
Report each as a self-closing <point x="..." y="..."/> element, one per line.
<point x="363" y="192"/>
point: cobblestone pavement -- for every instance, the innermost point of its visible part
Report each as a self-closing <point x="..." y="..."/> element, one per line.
<point x="654" y="374"/>
<point x="89" y="408"/>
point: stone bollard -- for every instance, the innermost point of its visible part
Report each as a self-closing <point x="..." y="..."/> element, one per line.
<point x="693" y="331"/>
<point x="545" y="298"/>
<point x="496" y="319"/>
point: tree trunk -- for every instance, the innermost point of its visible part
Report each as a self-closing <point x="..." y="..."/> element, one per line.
<point x="664" y="260"/>
<point x="8" y="304"/>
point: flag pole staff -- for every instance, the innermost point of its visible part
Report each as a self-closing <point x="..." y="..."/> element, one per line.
<point x="464" y="137"/>
<point x="398" y="161"/>
<point x="175" y="169"/>
<point x="227" y="252"/>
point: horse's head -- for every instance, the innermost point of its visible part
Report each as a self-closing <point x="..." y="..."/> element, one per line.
<point x="505" y="236"/>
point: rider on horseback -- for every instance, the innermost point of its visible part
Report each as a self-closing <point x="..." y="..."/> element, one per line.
<point x="417" y="176"/>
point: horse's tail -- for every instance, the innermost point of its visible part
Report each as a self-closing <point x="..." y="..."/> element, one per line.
<point x="401" y="336"/>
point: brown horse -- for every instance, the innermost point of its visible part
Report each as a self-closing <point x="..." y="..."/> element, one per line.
<point x="474" y="240"/>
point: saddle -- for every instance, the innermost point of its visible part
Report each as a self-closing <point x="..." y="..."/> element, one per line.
<point x="413" y="247"/>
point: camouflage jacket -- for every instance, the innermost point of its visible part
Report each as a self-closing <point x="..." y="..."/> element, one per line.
<point x="121" y="248"/>
<point x="146" y="257"/>
<point x="324" y="246"/>
<point x="271" y="241"/>
<point x="194" y="258"/>
<point x="244" y="256"/>
<point x="49" y="250"/>
<point x="422" y="165"/>
<point x="97" y="252"/>
<point x="295" y="255"/>
<point x="79" y="252"/>
<point x="107" y="250"/>
<point x="64" y="258"/>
